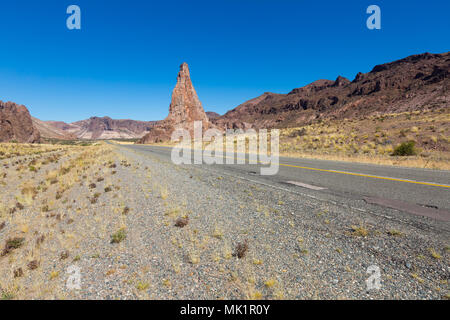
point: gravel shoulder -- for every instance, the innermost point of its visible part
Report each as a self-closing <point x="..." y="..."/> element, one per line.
<point x="152" y="230"/>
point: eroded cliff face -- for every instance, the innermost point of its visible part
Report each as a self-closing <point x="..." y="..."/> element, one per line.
<point x="185" y="108"/>
<point x="16" y="124"/>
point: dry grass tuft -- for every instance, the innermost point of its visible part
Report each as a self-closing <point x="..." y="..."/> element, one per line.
<point x="359" y="231"/>
<point x="118" y="236"/>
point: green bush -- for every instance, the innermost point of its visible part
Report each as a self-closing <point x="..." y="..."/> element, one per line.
<point x="405" y="149"/>
<point x="119" y="236"/>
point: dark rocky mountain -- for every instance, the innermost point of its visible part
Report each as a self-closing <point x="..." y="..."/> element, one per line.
<point x="16" y="124"/>
<point x="414" y="83"/>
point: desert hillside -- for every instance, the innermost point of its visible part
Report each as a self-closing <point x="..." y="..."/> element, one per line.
<point x="103" y="128"/>
<point x="49" y="131"/>
<point x="416" y="83"/>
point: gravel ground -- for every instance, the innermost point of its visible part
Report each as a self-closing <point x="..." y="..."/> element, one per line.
<point x="190" y="232"/>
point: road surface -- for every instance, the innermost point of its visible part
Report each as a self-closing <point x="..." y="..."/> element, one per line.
<point x="422" y="192"/>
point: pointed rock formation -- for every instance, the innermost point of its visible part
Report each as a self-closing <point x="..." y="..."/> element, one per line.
<point x="185" y="108"/>
<point x="16" y="124"/>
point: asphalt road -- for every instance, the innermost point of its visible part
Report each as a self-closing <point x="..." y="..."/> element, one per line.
<point x="422" y="192"/>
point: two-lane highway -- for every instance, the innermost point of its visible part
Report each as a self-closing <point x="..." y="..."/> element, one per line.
<point x="419" y="191"/>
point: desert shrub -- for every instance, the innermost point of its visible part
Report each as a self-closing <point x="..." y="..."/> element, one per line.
<point x="12" y="244"/>
<point x="405" y="149"/>
<point x="241" y="249"/>
<point x="181" y="222"/>
<point x="118" y="236"/>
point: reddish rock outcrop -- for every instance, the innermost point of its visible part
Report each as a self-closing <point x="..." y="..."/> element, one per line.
<point x="414" y="83"/>
<point x="16" y="124"/>
<point x="184" y="109"/>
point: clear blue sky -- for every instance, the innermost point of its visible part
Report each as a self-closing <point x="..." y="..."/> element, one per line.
<point x="124" y="61"/>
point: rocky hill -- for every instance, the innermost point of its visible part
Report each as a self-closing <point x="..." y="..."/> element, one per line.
<point x="16" y="124"/>
<point x="103" y="128"/>
<point x="48" y="130"/>
<point x="415" y="83"/>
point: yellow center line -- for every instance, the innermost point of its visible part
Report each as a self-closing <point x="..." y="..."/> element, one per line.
<point x="353" y="174"/>
<point x="368" y="176"/>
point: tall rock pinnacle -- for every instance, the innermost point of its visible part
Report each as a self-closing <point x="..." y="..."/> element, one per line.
<point x="185" y="106"/>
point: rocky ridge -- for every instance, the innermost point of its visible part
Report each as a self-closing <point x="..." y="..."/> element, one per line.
<point x="414" y="83"/>
<point x="16" y="124"/>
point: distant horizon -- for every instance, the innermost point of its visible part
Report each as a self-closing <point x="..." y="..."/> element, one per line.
<point x="124" y="61"/>
<point x="107" y="116"/>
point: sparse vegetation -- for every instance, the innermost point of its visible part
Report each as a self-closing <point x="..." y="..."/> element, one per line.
<point x="54" y="275"/>
<point x="435" y="254"/>
<point x="164" y="193"/>
<point x="62" y="221"/>
<point x="373" y="140"/>
<point x="218" y="233"/>
<point x="32" y="265"/>
<point x="405" y="149"/>
<point x="141" y="285"/>
<point x="18" y="273"/>
<point x="359" y="231"/>
<point x="395" y="233"/>
<point x="118" y="236"/>
<point x="241" y="249"/>
<point x="6" y="295"/>
<point x="181" y="222"/>
<point x="12" y="244"/>
<point x="270" y="283"/>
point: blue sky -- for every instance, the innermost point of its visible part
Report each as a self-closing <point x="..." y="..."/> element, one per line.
<point x="124" y="61"/>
